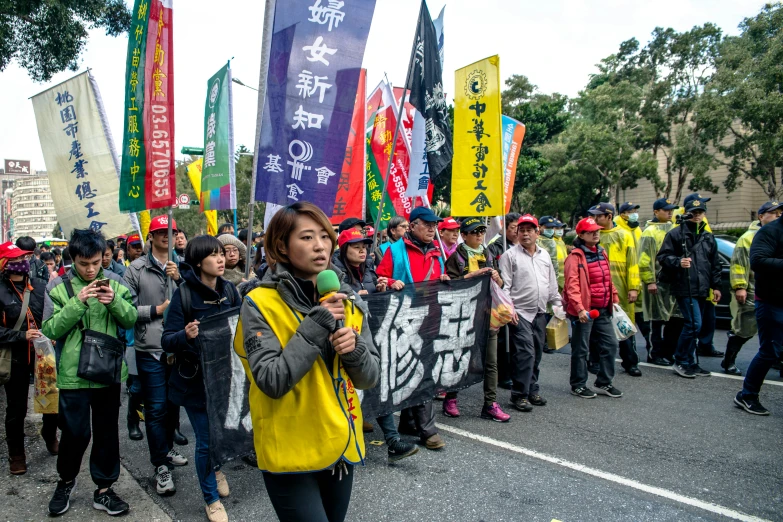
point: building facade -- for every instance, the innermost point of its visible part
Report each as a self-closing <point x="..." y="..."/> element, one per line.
<point x="32" y="208"/>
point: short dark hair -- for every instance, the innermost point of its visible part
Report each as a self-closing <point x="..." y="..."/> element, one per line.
<point x="37" y="252"/>
<point x="224" y="227"/>
<point x="47" y="256"/>
<point x="86" y="244"/>
<point x="512" y="218"/>
<point x="200" y="248"/>
<point x="110" y="244"/>
<point x="57" y="252"/>
<point x="283" y="225"/>
<point x="26" y="243"/>
<point x="182" y="232"/>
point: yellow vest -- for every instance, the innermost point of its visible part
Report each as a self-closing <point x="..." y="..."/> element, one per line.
<point x="313" y="426"/>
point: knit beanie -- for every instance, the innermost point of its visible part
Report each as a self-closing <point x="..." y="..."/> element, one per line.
<point x="229" y="239"/>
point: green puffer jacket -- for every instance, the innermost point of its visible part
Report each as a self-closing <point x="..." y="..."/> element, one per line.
<point x="61" y="320"/>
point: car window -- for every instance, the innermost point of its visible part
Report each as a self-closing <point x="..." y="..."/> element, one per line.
<point x="725" y="247"/>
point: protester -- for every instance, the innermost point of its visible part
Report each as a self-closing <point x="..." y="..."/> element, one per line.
<point x="495" y="244"/>
<point x="449" y="230"/>
<point x="47" y="258"/>
<point x="109" y="264"/>
<point x="21" y="309"/>
<point x="531" y="283"/>
<point x="37" y="268"/>
<point x="58" y="257"/>
<point x="225" y="228"/>
<point x="209" y="293"/>
<point x="75" y="302"/>
<point x="119" y="256"/>
<point x="623" y="264"/>
<point x="149" y="278"/>
<point x="351" y="223"/>
<point x="690" y="264"/>
<point x="396" y="230"/>
<point x="287" y="335"/>
<point x="66" y="263"/>
<point x="180" y="243"/>
<point x="236" y="256"/>
<point x="135" y="248"/>
<point x="412" y="259"/>
<point x="659" y="307"/>
<point x="588" y="298"/>
<point x="741" y="277"/>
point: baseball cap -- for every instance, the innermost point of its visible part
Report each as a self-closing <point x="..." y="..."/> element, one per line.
<point x="769" y="206"/>
<point x="162" y="223"/>
<point x="548" y="221"/>
<point x="470" y="224"/>
<point x="664" y="204"/>
<point x="424" y="214"/>
<point x="695" y="204"/>
<point x="601" y="209"/>
<point x="625" y="207"/>
<point x="559" y="224"/>
<point x="9" y="251"/>
<point x="350" y="222"/>
<point x="528" y="218"/>
<point x="352" y="236"/>
<point x="449" y="224"/>
<point x="694" y="196"/>
<point x="369" y="231"/>
<point x="134" y="238"/>
<point x="587" y="225"/>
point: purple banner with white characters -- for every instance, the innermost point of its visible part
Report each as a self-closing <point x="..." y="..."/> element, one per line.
<point x="315" y="60"/>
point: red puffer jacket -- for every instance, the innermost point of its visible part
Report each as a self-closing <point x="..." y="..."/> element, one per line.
<point x="587" y="285"/>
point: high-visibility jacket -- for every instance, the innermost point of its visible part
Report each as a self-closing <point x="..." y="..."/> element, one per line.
<point x="743" y="317"/>
<point x="660" y="306"/>
<point x="636" y="232"/>
<point x="562" y="254"/>
<point x="623" y="263"/>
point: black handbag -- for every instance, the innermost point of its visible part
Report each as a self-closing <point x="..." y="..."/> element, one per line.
<point x="100" y="359"/>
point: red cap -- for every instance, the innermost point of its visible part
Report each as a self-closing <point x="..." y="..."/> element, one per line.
<point x="161" y="223"/>
<point x="527" y="218"/>
<point x="587" y="225"/>
<point x="448" y="224"/>
<point x="369" y="231"/>
<point x="9" y="251"/>
<point x="134" y="238"/>
<point x="352" y="236"/>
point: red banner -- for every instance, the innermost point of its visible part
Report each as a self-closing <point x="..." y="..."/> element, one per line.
<point x="381" y="146"/>
<point x="350" y="192"/>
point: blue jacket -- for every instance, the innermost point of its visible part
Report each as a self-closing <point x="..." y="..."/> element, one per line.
<point x="185" y="391"/>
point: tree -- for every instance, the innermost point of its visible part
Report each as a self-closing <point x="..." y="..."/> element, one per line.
<point x="47" y="37"/>
<point x="741" y="110"/>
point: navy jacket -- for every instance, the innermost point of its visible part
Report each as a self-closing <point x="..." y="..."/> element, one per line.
<point x="766" y="260"/>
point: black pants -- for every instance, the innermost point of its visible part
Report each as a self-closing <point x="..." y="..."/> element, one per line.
<point x="664" y="337"/>
<point x="644" y="329"/>
<point x="16" y="390"/>
<point x="628" y="353"/>
<point x="76" y="407"/>
<point x="504" y="356"/>
<point x="310" y="497"/>
<point x="529" y="341"/>
<point x="420" y="419"/>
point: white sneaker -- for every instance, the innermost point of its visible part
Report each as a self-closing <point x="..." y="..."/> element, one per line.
<point x="176" y="458"/>
<point x="165" y="481"/>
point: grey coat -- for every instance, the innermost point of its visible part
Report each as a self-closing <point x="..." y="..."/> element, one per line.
<point x="276" y="371"/>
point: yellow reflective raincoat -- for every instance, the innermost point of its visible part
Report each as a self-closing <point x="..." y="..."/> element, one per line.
<point x="659" y="306"/>
<point x="623" y="264"/>
<point x="636" y="232"/>
<point x="743" y="317"/>
<point x="550" y="245"/>
<point x="562" y="254"/>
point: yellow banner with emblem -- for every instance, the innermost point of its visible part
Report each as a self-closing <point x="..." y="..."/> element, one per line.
<point x="477" y="167"/>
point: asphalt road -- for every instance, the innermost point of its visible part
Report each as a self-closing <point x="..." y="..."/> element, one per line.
<point x="670" y="449"/>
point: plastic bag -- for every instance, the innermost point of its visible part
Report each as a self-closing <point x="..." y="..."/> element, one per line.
<point x="502" y="308"/>
<point x="46" y="398"/>
<point x="556" y="333"/>
<point x="623" y="326"/>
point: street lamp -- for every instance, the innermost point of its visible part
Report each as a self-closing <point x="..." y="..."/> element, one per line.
<point x="239" y="82"/>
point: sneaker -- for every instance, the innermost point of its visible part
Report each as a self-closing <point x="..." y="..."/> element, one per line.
<point x="750" y="405"/>
<point x="434" y="442"/>
<point x="494" y="413"/>
<point x="609" y="390"/>
<point x="399" y="449"/>
<point x="585" y="393"/>
<point x="698" y="371"/>
<point x="61" y="500"/>
<point x="216" y="512"/>
<point x="176" y="458"/>
<point x="521" y="403"/>
<point x="732" y="370"/>
<point x="684" y="371"/>
<point x="537" y="400"/>
<point x="222" y="484"/>
<point x="109" y="502"/>
<point x="450" y="408"/>
<point x="440" y="396"/>
<point x="660" y="361"/>
<point x="165" y="481"/>
<point x="634" y="371"/>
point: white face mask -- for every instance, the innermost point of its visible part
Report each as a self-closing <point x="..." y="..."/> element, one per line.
<point x="548" y="232"/>
<point x="559" y="232"/>
<point x="633" y="218"/>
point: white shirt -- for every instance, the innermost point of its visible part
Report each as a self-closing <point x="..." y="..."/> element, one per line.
<point x="530" y="280"/>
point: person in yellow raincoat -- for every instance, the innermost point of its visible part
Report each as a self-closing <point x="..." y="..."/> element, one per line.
<point x="562" y="253"/>
<point x="623" y="265"/>
<point x="658" y="304"/>
<point x="743" y="309"/>
<point x="547" y="241"/>
<point x="628" y="219"/>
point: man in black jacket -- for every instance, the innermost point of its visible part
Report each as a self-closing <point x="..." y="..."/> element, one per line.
<point x="766" y="261"/>
<point x="689" y="259"/>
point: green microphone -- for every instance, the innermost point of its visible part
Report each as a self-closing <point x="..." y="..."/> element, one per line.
<point x="328" y="284"/>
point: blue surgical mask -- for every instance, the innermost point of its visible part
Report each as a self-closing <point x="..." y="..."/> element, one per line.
<point x="549" y="232"/>
<point x="559" y="232"/>
<point x="633" y="218"/>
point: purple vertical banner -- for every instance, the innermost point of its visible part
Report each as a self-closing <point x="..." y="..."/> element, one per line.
<point x="315" y="60"/>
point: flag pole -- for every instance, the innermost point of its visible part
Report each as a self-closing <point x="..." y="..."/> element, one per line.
<point x="266" y="43"/>
<point x="169" y="287"/>
<point x="396" y="134"/>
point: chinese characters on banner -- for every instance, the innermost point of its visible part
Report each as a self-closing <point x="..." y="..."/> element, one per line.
<point x="477" y="170"/>
<point x="148" y="176"/>
<point x="381" y="146"/>
<point x="315" y="58"/>
<point x="218" y="177"/>
<point x="79" y="160"/>
<point x="350" y="190"/>
<point x="513" y="135"/>
<point x="374" y="178"/>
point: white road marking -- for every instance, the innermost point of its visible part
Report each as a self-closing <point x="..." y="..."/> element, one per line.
<point x="653" y="490"/>
<point x="714" y="374"/>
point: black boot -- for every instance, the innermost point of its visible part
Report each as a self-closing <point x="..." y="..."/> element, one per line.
<point x="733" y="348"/>
<point x="134" y="433"/>
<point x="179" y="438"/>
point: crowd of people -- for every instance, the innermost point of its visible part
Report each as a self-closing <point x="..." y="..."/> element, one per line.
<point x="306" y="355"/>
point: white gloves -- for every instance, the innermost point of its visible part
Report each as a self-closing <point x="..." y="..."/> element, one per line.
<point x="559" y="312"/>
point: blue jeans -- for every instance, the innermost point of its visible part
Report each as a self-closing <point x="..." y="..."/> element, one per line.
<point x="770" y="322"/>
<point x="152" y="375"/>
<point x="206" y="474"/>
<point x="692" y="309"/>
<point x="390" y="432"/>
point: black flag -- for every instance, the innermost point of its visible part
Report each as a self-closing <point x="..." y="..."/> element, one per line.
<point x="425" y="83"/>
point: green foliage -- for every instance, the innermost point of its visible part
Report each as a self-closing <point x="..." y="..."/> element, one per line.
<point x="47" y="37"/>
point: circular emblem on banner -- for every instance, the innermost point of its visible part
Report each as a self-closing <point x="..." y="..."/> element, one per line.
<point x="213" y="92"/>
<point x="476" y="84"/>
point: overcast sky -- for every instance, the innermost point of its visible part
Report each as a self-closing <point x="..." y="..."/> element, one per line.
<point x="555" y="43"/>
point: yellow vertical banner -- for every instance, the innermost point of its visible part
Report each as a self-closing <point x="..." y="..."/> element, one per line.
<point x="194" y="174"/>
<point x="477" y="167"/>
<point x="144" y="223"/>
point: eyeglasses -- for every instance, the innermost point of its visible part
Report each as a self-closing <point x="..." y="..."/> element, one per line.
<point x="405" y="226"/>
<point x="231" y="250"/>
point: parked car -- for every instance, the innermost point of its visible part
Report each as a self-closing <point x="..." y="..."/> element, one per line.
<point x="725" y="251"/>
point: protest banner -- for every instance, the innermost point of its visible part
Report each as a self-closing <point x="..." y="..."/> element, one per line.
<point x="309" y="99"/>
<point x="431" y="337"/>
<point x="374" y="177"/>
<point x="148" y="178"/>
<point x="79" y="155"/>
<point x="218" y="175"/>
<point x="381" y="145"/>
<point x="513" y="135"/>
<point x="477" y="171"/>
<point x="194" y="175"/>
